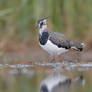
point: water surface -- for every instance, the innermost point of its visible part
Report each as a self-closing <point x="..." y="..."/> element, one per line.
<point x="57" y="77"/>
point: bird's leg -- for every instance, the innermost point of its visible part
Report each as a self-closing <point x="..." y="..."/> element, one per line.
<point x="52" y="58"/>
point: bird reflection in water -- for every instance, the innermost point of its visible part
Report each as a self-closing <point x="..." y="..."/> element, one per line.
<point x="59" y="83"/>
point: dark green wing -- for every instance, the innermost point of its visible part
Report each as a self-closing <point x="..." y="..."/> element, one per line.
<point x="60" y="40"/>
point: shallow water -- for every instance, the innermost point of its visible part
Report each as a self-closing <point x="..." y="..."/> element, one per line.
<point x="57" y="77"/>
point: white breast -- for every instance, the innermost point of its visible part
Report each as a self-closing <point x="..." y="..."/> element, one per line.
<point x="52" y="48"/>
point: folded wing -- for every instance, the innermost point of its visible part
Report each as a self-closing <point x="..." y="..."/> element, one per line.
<point x="62" y="42"/>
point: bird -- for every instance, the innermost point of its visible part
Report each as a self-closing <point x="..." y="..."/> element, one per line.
<point x="55" y="43"/>
<point x="60" y="83"/>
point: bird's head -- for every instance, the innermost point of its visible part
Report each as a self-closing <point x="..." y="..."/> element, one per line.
<point x="41" y="23"/>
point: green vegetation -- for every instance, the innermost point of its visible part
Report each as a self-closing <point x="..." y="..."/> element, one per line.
<point x="17" y="31"/>
<point x="71" y="17"/>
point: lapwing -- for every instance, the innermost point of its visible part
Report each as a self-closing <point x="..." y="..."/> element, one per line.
<point x="53" y="42"/>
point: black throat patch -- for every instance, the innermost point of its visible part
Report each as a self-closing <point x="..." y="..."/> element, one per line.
<point x="43" y="38"/>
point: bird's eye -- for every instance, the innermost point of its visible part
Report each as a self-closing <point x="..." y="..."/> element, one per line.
<point x="41" y="23"/>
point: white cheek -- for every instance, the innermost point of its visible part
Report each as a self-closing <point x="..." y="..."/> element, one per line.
<point x="45" y="20"/>
<point x="42" y="29"/>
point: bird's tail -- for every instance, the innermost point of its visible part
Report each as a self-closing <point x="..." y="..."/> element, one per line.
<point x="76" y="46"/>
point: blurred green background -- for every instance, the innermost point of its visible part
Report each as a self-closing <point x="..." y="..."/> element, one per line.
<point x="17" y="30"/>
<point x="70" y="17"/>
